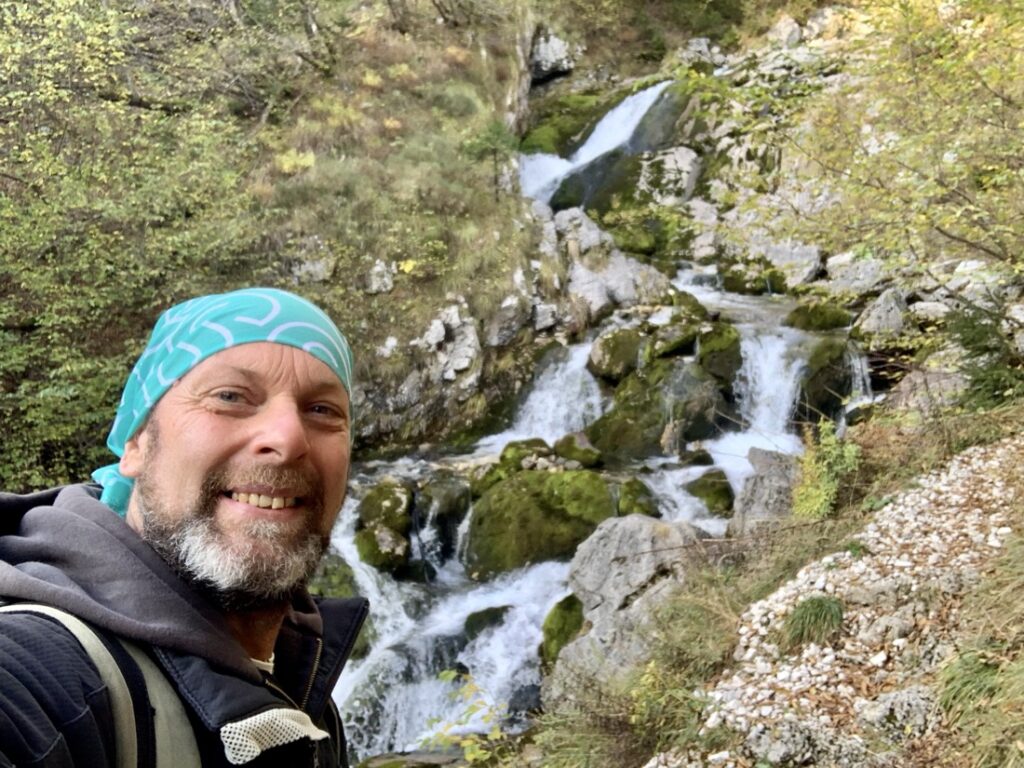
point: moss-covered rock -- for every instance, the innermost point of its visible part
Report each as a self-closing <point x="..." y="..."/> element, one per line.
<point x="382" y="548"/>
<point x="668" y="391"/>
<point x="826" y="382"/>
<point x="562" y="123"/>
<point x="334" y="578"/>
<point x="635" y="498"/>
<point x="754" y="278"/>
<point x="674" y="339"/>
<point x="699" y="457"/>
<point x="689" y="307"/>
<point x="576" y="447"/>
<point x="534" y="516"/>
<point x="614" y="354"/>
<point x="714" y="490"/>
<point x="606" y="183"/>
<point x="818" y="316"/>
<point x="718" y="351"/>
<point x="388" y="504"/>
<point x="478" y="621"/>
<point x="509" y="463"/>
<point x="561" y="626"/>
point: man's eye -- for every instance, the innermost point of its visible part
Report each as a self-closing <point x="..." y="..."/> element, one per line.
<point x="228" y="396"/>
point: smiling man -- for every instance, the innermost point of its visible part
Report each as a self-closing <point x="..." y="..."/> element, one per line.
<point x="193" y="551"/>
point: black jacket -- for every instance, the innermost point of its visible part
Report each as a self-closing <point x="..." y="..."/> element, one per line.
<point x="66" y="549"/>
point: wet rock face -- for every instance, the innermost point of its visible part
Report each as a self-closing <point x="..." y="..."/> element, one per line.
<point x="825" y="383"/>
<point x="714" y="490"/>
<point x="669" y="391"/>
<point x="766" y="496"/>
<point x="534" y="516"/>
<point x="561" y="625"/>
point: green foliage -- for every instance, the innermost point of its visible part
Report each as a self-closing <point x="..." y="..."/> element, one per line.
<point x="824" y="464"/>
<point x="994" y="366"/>
<point x="814" y="620"/>
<point x="478" y="731"/>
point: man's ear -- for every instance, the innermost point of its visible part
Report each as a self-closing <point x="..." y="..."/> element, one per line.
<point x="134" y="456"/>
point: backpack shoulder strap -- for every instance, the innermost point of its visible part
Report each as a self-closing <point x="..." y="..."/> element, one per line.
<point x="175" y="740"/>
<point x="120" y="696"/>
<point x="175" y="743"/>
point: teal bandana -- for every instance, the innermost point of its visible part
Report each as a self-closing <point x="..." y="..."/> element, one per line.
<point x="192" y="331"/>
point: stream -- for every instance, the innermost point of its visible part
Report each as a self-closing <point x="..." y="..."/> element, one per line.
<point x="393" y="699"/>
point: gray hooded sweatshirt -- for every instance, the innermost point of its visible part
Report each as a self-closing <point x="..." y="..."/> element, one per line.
<point x="65" y="548"/>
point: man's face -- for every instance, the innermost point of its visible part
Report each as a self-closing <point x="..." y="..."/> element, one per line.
<point x="241" y="471"/>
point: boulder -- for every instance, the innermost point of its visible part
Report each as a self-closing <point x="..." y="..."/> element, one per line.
<point x="534" y="516"/>
<point x="718" y="352"/>
<point x="753" y="277"/>
<point x="669" y="391"/>
<point x="799" y="264"/>
<point x="767" y="495"/>
<point x="551" y="56"/>
<point x="577" y="447"/>
<point x="382" y="548"/>
<point x="380" y="279"/>
<point x="668" y="178"/>
<point x="786" y="32"/>
<point x="676" y="338"/>
<point x="826" y="382"/>
<point x="818" y="316"/>
<point x="580" y="235"/>
<point x="714" y="490"/>
<point x="478" y="621"/>
<point x="561" y="625"/>
<point x="619" y="282"/>
<point x="388" y="504"/>
<point x="635" y="498"/>
<point x="622" y="574"/>
<point x="885" y="316"/>
<point x="854" y="273"/>
<point x="615" y="353"/>
<point x="504" y="325"/>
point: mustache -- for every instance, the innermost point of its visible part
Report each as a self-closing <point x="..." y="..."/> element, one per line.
<point x="304" y="485"/>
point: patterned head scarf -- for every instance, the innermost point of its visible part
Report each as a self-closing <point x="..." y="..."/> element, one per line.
<point x="192" y="331"/>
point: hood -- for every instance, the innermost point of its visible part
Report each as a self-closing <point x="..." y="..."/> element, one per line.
<point x="67" y="549"/>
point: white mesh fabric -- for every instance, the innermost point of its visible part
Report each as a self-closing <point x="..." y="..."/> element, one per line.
<point x="245" y="740"/>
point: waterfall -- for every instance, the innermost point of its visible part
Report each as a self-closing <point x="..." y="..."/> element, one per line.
<point x="563" y="399"/>
<point x="394" y="699"/>
<point x="766" y="390"/>
<point x="540" y="174"/>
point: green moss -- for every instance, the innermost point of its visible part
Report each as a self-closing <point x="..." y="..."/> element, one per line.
<point x="754" y="278"/>
<point x="562" y="123"/>
<point x="561" y="626"/>
<point x="382" y="548"/>
<point x="580" y="494"/>
<point x="675" y="339"/>
<point x="388" y="504"/>
<point x="718" y="352"/>
<point x="826" y="381"/>
<point x="635" y="498"/>
<point x="534" y="516"/>
<point x="714" y="490"/>
<point x="614" y="354"/>
<point x="818" y="316"/>
<point x="689" y="307"/>
<point x="576" y="447"/>
<point x="669" y="390"/>
<point x="513" y="453"/>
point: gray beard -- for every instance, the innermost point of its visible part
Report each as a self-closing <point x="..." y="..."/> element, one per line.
<point x="260" y="569"/>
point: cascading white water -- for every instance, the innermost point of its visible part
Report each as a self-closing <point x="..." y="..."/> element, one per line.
<point x="397" y="699"/>
<point x="540" y="174"/>
<point x="564" y="398"/>
<point x="766" y="389"/>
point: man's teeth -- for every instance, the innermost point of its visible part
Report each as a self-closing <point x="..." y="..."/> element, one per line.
<point x="264" y="502"/>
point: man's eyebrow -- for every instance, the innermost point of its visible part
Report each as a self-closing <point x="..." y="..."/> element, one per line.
<point x="324" y="383"/>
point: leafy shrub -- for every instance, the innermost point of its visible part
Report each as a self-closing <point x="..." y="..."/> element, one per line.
<point x="823" y="465"/>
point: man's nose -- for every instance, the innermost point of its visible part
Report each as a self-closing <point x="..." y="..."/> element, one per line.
<point x="281" y="432"/>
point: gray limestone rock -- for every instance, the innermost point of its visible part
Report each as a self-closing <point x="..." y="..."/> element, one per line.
<point x="854" y="274"/>
<point x="669" y="177"/>
<point x="381" y="278"/>
<point x="900" y="715"/>
<point x="767" y="495"/>
<point x="552" y="56"/>
<point x="885" y="315"/>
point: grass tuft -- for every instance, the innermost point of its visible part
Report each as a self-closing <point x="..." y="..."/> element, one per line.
<point x="816" y="619"/>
